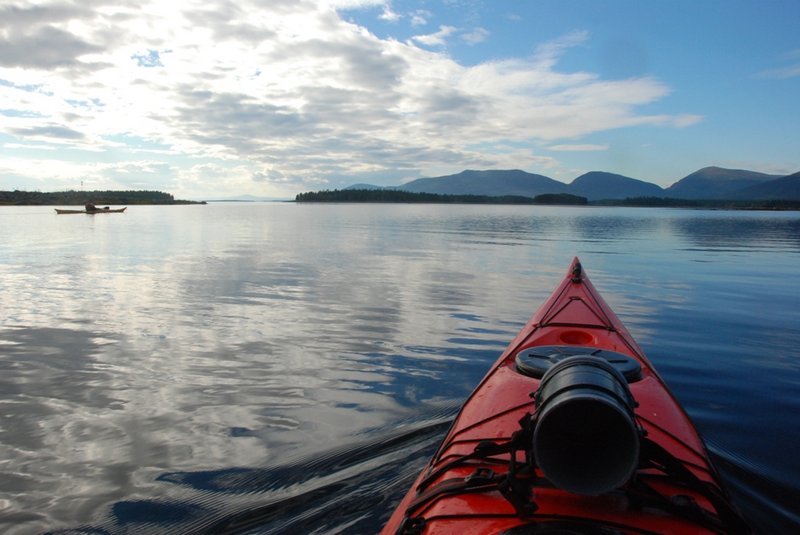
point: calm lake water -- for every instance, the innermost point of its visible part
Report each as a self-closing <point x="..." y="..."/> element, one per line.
<point x="282" y="368"/>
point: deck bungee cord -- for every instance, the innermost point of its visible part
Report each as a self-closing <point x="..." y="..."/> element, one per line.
<point x="519" y="482"/>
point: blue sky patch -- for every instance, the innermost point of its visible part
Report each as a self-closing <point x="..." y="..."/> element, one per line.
<point x="151" y="59"/>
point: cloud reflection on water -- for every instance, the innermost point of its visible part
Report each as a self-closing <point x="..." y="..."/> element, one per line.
<point x="189" y="339"/>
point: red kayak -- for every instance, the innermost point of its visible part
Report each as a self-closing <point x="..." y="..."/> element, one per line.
<point x="572" y="431"/>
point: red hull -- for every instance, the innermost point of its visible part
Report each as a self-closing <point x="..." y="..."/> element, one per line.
<point x="574" y="315"/>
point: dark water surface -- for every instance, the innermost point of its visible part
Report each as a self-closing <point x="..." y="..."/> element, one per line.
<point x="281" y="368"/>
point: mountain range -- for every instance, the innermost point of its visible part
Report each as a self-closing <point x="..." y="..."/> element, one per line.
<point x="708" y="183"/>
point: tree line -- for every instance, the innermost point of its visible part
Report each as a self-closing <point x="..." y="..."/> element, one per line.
<point x="72" y="197"/>
<point x="399" y="196"/>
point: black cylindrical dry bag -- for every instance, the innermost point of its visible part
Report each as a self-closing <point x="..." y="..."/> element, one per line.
<point x="586" y="440"/>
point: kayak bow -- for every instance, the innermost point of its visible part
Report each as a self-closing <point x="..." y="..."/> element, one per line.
<point x="571" y="431"/>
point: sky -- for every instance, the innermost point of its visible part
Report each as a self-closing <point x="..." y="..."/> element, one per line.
<point x="216" y="99"/>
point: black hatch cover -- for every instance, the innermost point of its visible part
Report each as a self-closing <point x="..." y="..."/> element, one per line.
<point x="535" y="361"/>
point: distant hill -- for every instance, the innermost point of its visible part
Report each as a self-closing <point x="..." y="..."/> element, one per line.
<point x="368" y="187"/>
<point x="784" y="188"/>
<point x="598" y="185"/>
<point x="501" y="182"/>
<point x="707" y="184"/>
<point x="716" y="183"/>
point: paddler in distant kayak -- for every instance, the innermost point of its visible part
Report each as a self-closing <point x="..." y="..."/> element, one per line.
<point x="90" y="207"/>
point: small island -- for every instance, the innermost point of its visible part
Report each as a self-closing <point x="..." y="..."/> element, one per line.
<point x="398" y="196"/>
<point x="72" y="197"/>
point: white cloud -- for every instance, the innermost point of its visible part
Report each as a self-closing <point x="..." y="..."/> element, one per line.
<point x="63" y="174"/>
<point x="577" y="147"/>
<point x="435" y="39"/>
<point x="389" y="15"/>
<point x="791" y="69"/>
<point x="478" y="35"/>
<point x="420" y="17"/>
<point x="263" y="97"/>
<point x="27" y="146"/>
<point x="548" y="54"/>
<point x="269" y="175"/>
<point x="354" y="4"/>
<point x="684" y="120"/>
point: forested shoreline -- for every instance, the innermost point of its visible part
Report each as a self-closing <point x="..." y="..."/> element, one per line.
<point x="399" y="196"/>
<point x="98" y="197"/>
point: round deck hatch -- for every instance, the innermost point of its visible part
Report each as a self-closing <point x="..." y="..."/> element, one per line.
<point x="535" y="361"/>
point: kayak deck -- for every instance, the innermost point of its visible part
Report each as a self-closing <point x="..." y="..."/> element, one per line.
<point x="484" y="477"/>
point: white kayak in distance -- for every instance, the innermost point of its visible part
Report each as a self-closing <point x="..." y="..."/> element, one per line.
<point x="105" y="210"/>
